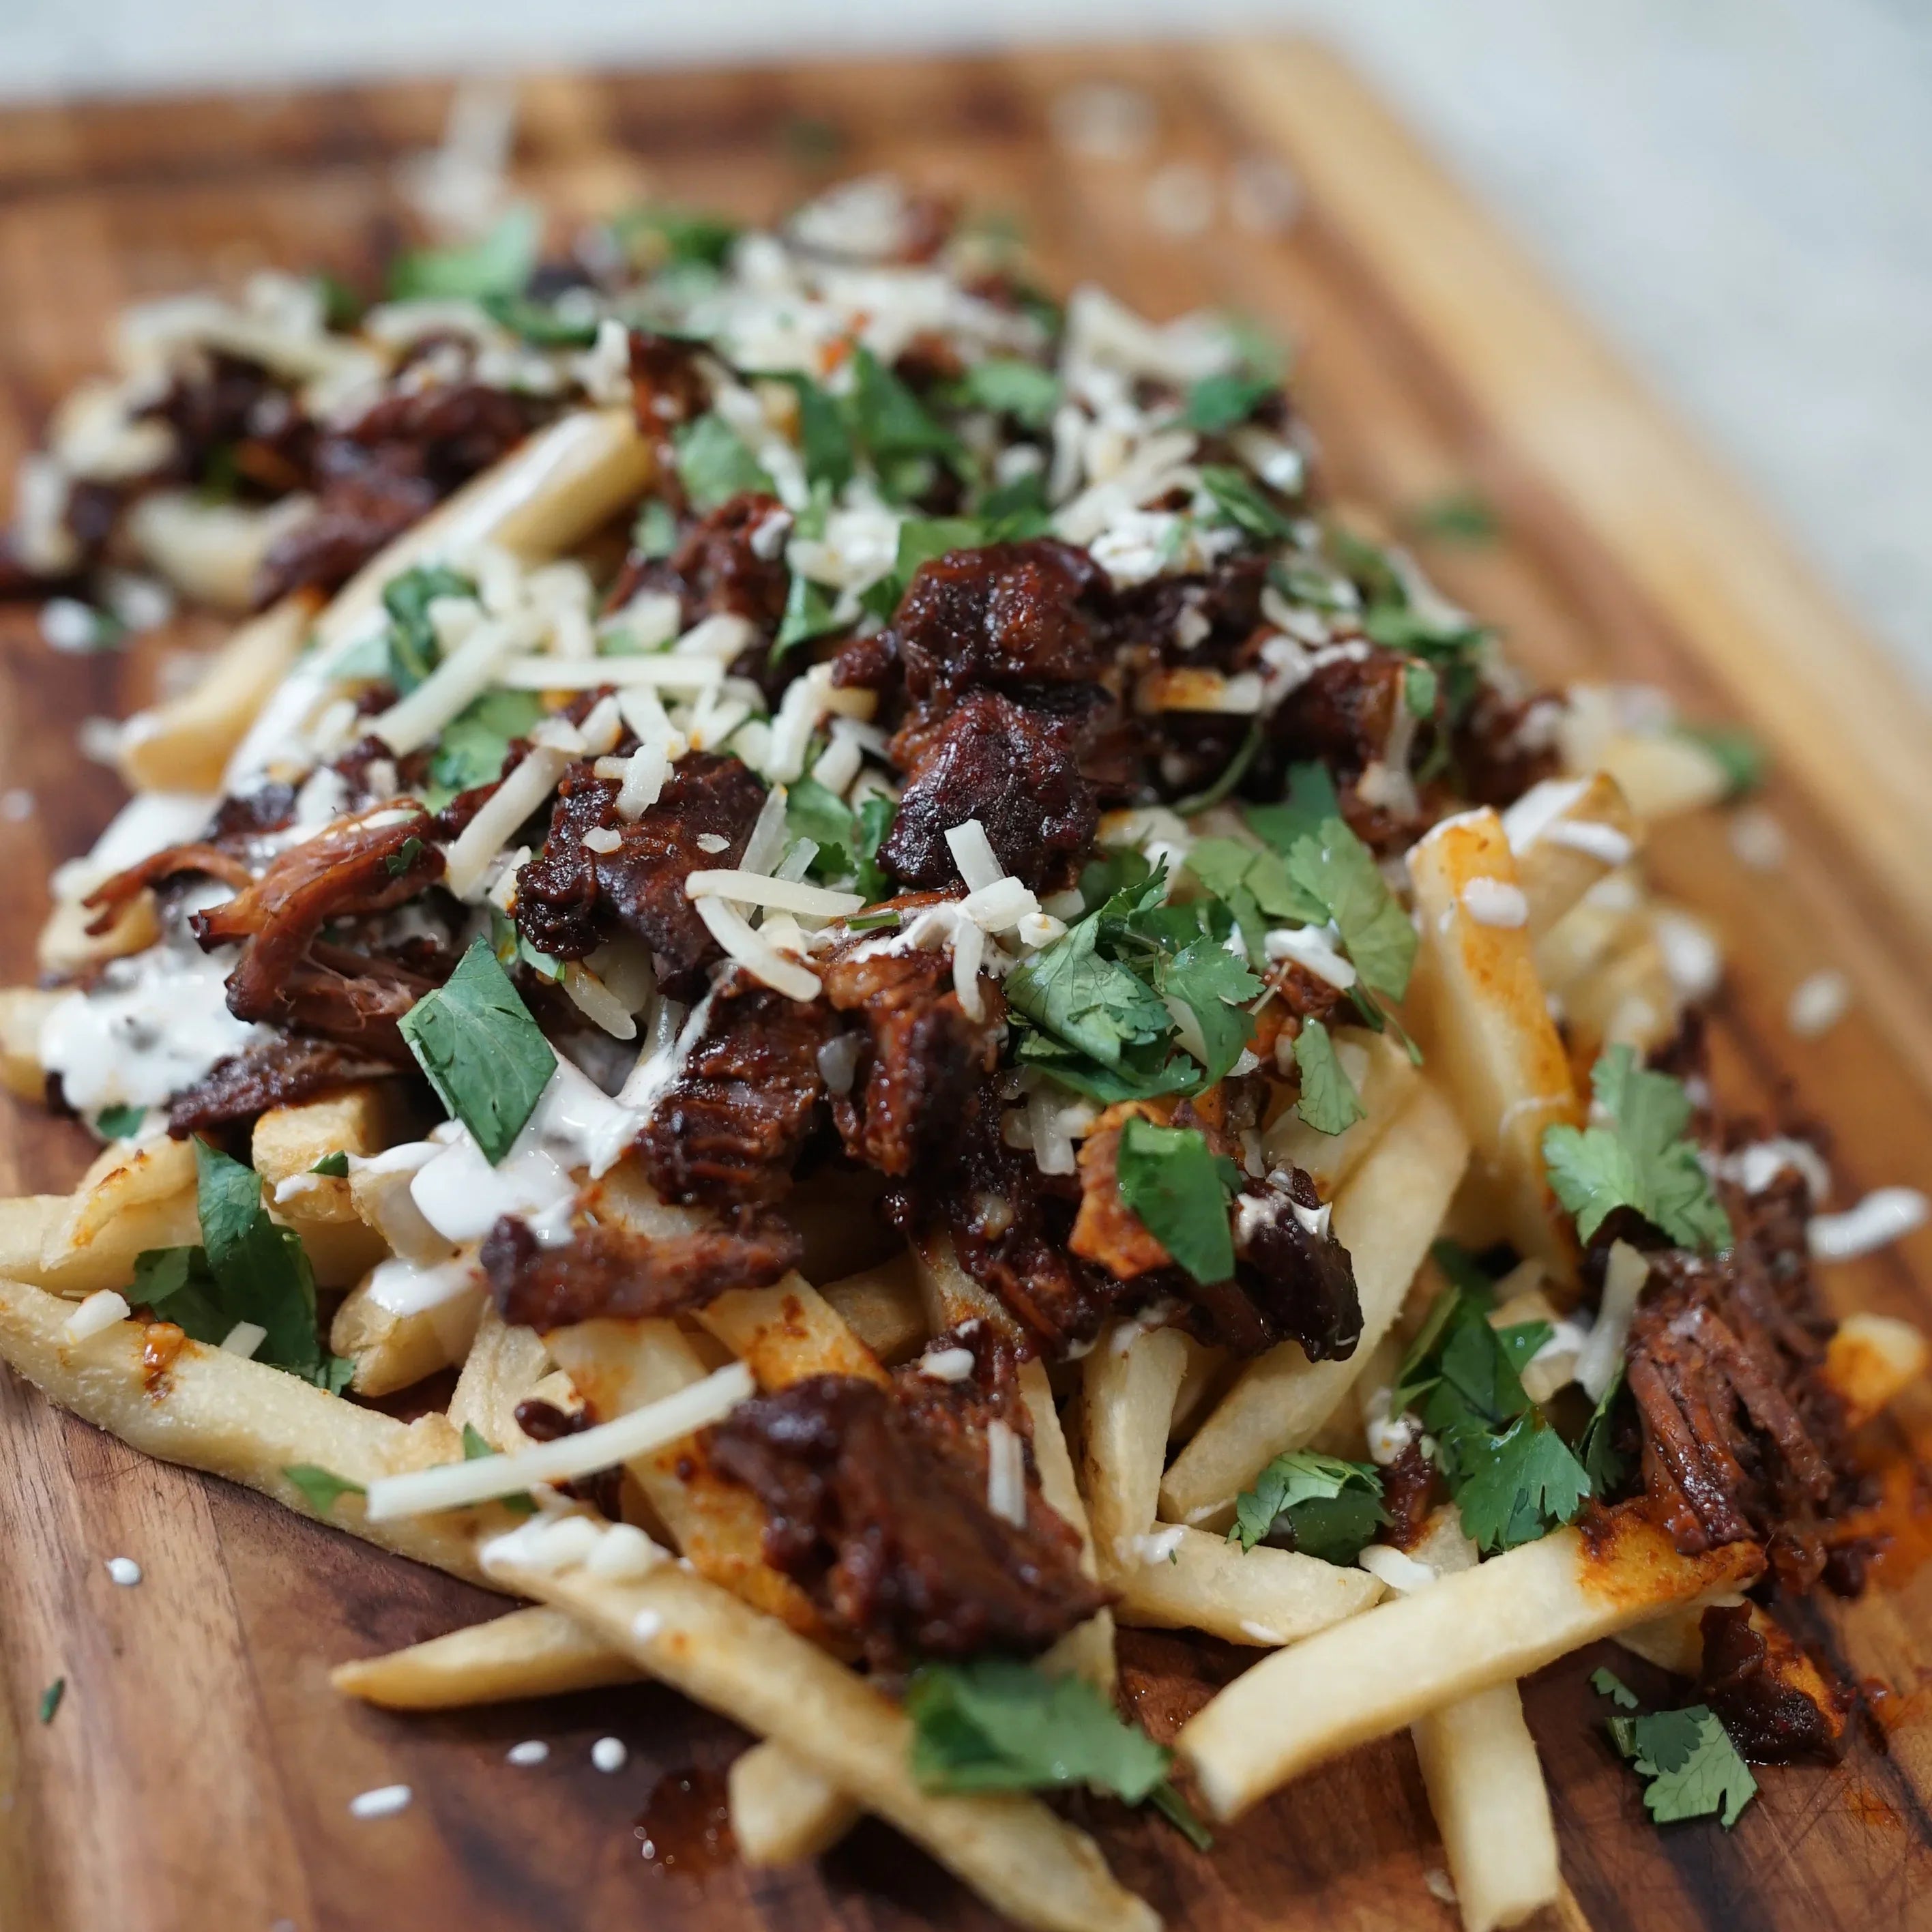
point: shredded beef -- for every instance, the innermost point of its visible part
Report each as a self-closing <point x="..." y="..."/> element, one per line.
<point x="570" y="900"/>
<point x="731" y="1126"/>
<point x="717" y="568"/>
<point x="229" y="413"/>
<point x="109" y="898"/>
<point x="892" y="1536"/>
<point x="1742" y="1438"/>
<point x="293" y="1067"/>
<point x="1299" y="1283"/>
<point x="1014" y="767"/>
<point x="1409" y="1488"/>
<point x="1771" y="1698"/>
<point x="607" y="1271"/>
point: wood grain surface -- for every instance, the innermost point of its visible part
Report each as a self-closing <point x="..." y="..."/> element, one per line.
<point x="196" y="1775"/>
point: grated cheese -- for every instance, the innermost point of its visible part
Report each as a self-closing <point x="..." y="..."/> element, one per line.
<point x="662" y="670"/>
<point x="973" y="853"/>
<point x="1881" y="1217"/>
<point x="999" y="906"/>
<point x="243" y="1339"/>
<point x="101" y="1310"/>
<point x="758" y="957"/>
<point x="596" y="1002"/>
<point x="1393" y="1568"/>
<point x="1005" y="1473"/>
<point x="415" y="721"/>
<point x="458" y="1485"/>
<point x="947" y="1365"/>
<point x="467" y="855"/>
<point x="1602" y="1353"/>
<point x="761" y="889"/>
<point x="969" y="950"/>
<point x="766" y="846"/>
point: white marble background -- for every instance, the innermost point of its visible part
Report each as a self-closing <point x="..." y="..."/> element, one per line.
<point x="1738" y="191"/>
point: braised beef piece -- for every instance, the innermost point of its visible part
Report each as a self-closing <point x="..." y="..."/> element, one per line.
<point x="1208" y="619"/>
<point x="1296" y="1281"/>
<point x="292" y="1067"/>
<point x="1015" y="615"/>
<point x="109" y="898"/>
<point x="358" y="998"/>
<point x="356" y="867"/>
<point x="1410" y="1488"/>
<point x="892" y="1537"/>
<point x="1770" y="1697"/>
<point x="668" y="388"/>
<point x="731" y="560"/>
<point x="607" y="1271"/>
<point x="570" y="899"/>
<point x="1504" y="745"/>
<point x="379" y="474"/>
<point x="235" y="422"/>
<point x="1742" y="1438"/>
<point x="730" y="1127"/>
<point x="244" y="815"/>
<point x="1014" y="767"/>
<point x="924" y="1054"/>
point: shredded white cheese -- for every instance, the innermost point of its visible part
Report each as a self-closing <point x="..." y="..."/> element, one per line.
<point x="1880" y="1218"/>
<point x="1005" y="1473"/>
<point x="761" y="889"/>
<point x="101" y="1309"/>
<point x="758" y="957"/>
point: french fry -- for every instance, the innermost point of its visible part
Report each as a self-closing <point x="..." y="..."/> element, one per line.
<point x="22" y="1010"/>
<point x="66" y="947"/>
<point x="26" y="1220"/>
<point x="1567" y="835"/>
<point x="536" y="1652"/>
<point x="132" y="1198"/>
<point x="1663" y="775"/>
<point x="1627" y="1000"/>
<point x="1674" y="1641"/>
<point x="222" y="1413"/>
<point x="951" y="1295"/>
<point x="1613" y="913"/>
<point x="184" y="745"/>
<point x="289" y="1141"/>
<point x="1086" y="1652"/>
<point x="782" y="1811"/>
<point x="1491" y="1807"/>
<point x="1386" y="1217"/>
<point x="1412" y="1655"/>
<point x="392" y="1351"/>
<point x="678" y="1627"/>
<point x="1386" y="1084"/>
<point x="1869" y="1359"/>
<point x="882" y="1307"/>
<point x="503" y="1367"/>
<point x="774" y="1330"/>
<point x="1128" y="1396"/>
<point x="1485" y="1023"/>
<point x="1257" y="1596"/>
<point x="210" y="551"/>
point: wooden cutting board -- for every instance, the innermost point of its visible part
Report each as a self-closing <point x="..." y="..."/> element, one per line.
<point x="196" y="1776"/>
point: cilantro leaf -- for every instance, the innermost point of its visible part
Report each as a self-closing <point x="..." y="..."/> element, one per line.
<point x="1329" y="1103"/>
<point x="1175" y="1809"/>
<point x="476" y="741"/>
<point x="654" y="535"/>
<point x="322" y="1487"/>
<point x="1071" y="991"/>
<point x="1419" y="688"/>
<point x="1229" y="777"/>
<point x="1529" y="1482"/>
<point x="116" y="1124"/>
<point x="1242" y="504"/>
<point x="889" y="421"/>
<point x="714" y="463"/>
<point x="808" y="614"/>
<point x="1256" y="883"/>
<point x="484" y="1054"/>
<point x="994" y="1724"/>
<point x="677" y="234"/>
<point x="411" y="641"/>
<point x="1216" y="403"/>
<point x="1335" y="870"/>
<point x="1594" y="1448"/>
<point x="1170" y="1180"/>
<point x="1607" y="1684"/>
<point x="50" y="1700"/>
<point x="475" y="1447"/>
<point x="1694" y="1769"/>
<point x="541" y="322"/>
<point x="1014" y="512"/>
<point x="335" y="1165"/>
<point x="1214" y="986"/>
<point x="1311" y="801"/>
<point x="1639" y="1160"/>
<point x="921" y="539"/>
<point x="405" y="856"/>
<point x="1022" y="390"/>
<point x="1333" y="1507"/>
<point x="1740" y="752"/>
<point x="499" y="263"/>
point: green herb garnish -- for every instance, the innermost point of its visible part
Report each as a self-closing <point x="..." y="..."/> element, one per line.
<point x="499" y="263"/>
<point x="1331" y="1507"/>
<point x="1179" y="1189"/>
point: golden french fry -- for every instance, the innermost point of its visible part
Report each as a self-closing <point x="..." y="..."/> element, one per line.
<point x="1013" y="1851"/>
<point x="1386" y="1082"/>
<point x="66" y="947"/>
<point x="289" y="1141"/>
<point x="882" y="1306"/>
<point x="184" y="745"/>
<point x="1128" y="1393"/>
<point x="1674" y="1641"/>
<point x="787" y="1331"/>
<point x="1869" y="1359"/>
<point x="22" y="1010"/>
<point x="1386" y="1217"/>
<point x="536" y="1652"/>
<point x="1614" y="913"/>
<point x="1196" y="1579"/>
<point x="394" y="1351"/>
<point x="133" y="1197"/>
<point x="782" y="1810"/>
<point x="951" y="1295"/>
<point x="231" y="1416"/>
<point x="1492" y="1807"/>
<point x="1088" y="1651"/>
<point x="1663" y="775"/>
<point x="1484" y="1021"/>
<point x="1628" y="1001"/>
<point x="503" y="1367"/>
<point x="1411" y="1655"/>
<point x="1567" y="834"/>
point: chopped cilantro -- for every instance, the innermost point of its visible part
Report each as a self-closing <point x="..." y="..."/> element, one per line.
<point x="541" y="323"/>
<point x="668" y="234"/>
<point x="499" y="263"/>
<point x="824" y="441"/>
<point x="1216" y="403"/>
<point x="1331" y="1507"/>
<point x="323" y="1488"/>
<point x="995" y="1724"/>
<point x="484" y="1054"/>
<point x="1607" y="1684"/>
<point x="892" y="425"/>
<point x="1214" y="985"/>
<point x="1238" y="500"/>
<point x="808" y="614"/>
<point x="399" y="862"/>
<point x="1171" y="1181"/>
<point x="1176" y="1810"/>
<point x="476" y="741"/>
<point x="1595" y="1447"/>
<point x="654" y="535"/>
<point x="921" y="539"/>
<point x="713" y="463"/>
<point x="1419" y="686"/>
<point x="50" y="1700"/>
<point x="1022" y="390"/>
<point x="1311" y="800"/>
<point x="335" y="1165"/>
<point x="116" y="1124"/>
<point x="1329" y="1103"/>
<point x="848" y="840"/>
<point x="1089" y="1001"/>
<point x="1639" y="1160"/>
<point x="1014" y="512"/>
<point x="1740" y="752"/>
<point x="1457" y="516"/>
<point x="475" y="1447"/>
<point x="247" y="1268"/>
<point x="1520" y="1485"/>
<point x="1691" y="1768"/>
<point x="411" y="640"/>
<point x="1339" y="873"/>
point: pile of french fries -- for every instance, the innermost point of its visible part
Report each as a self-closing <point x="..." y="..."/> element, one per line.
<point x="1143" y="1446"/>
